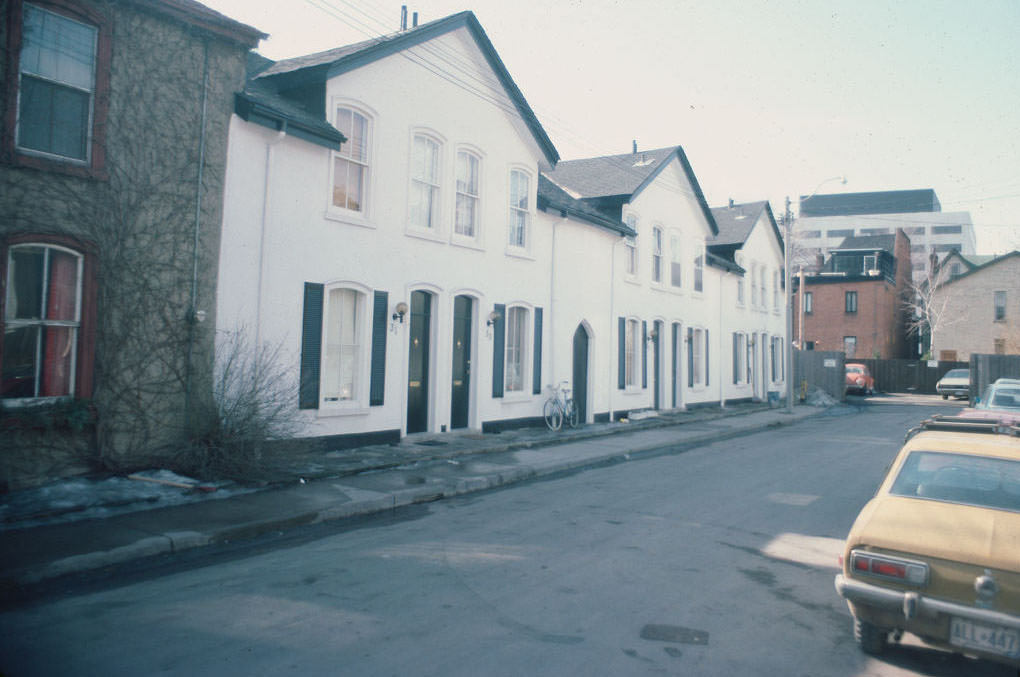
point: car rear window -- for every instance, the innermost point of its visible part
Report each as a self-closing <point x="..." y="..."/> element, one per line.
<point x="855" y="370"/>
<point x="960" y="478"/>
<point x="957" y="373"/>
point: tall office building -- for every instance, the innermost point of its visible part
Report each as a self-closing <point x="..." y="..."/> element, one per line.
<point x="826" y="220"/>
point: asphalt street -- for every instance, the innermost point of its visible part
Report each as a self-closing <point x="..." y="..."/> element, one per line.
<point x="715" y="561"/>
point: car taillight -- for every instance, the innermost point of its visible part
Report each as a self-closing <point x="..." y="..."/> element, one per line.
<point x="911" y="573"/>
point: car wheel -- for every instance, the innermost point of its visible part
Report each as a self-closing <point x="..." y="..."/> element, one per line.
<point x="870" y="638"/>
<point x="945" y="397"/>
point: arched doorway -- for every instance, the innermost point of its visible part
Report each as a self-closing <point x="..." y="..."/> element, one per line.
<point x="580" y="378"/>
<point x="460" y="386"/>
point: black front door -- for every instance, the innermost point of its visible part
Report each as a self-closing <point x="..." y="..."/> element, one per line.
<point x="581" y="373"/>
<point x="460" y="391"/>
<point x="418" y="363"/>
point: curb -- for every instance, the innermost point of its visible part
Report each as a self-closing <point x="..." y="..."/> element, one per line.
<point x="377" y="502"/>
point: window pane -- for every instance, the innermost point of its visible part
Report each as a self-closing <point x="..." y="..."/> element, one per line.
<point x="21" y="350"/>
<point x="58" y="355"/>
<point x="516" y="325"/>
<point x="24" y="292"/>
<point x="467" y="211"/>
<point x="57" y="48"/>
<point x="63" y="287"/>
<point x="339" y="373"/>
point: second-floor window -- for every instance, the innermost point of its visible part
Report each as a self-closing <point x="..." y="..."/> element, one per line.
<point x="850" y="304"/>
<point x="775" y="289"/>
<point x="350" y="163"/>
<point x="809" y="302"/>
<point x="656" y="254"/>
<point x="676" y="267"/>
<point x="57" y="84"/>
<point x="699" y="269"/>
<point x="1000" y="306"/>
<point x="520" y="215"/>
<point x="754" y="285"/>
<point x="424" y="183"/>
<point x="466" y="221"/>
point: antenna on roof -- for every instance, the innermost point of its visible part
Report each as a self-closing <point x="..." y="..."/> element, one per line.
<point x="403" y="17"/>
<point x="635" y="147"/>
<point x="414" y="20"/>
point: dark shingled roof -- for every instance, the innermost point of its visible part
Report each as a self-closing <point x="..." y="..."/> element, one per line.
<point x="614" y="179"/>
<point x="869" y="243"/>
<point x="735" y="223"/>
<point x="552" y="197"/>
<point x="197" y="14"/>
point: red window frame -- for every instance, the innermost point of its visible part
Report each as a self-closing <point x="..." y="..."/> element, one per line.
<point x="87" y="325"/>
<point x="84" y="13"/>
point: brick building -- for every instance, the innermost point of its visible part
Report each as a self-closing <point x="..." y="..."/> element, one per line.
<point x="854" y="302"/>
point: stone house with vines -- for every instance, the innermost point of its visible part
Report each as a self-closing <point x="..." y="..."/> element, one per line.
<point x="112" y="155"/>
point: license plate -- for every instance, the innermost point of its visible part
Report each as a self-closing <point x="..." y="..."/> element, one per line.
<point x="988" y="638"/>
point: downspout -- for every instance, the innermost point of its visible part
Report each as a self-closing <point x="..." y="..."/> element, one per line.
<point x="268" y="175"/>
<point x="193" y="314"/>
<point x="719" y="360"/>
<point x="612" y="317"/>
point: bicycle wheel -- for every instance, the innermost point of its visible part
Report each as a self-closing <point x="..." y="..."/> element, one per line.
<point x="570" y="413"/>
<point x="553" y="415"/>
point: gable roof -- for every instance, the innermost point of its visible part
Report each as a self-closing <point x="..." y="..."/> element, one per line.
<point x="318" y="68"/>
<point x="621" y="178"/>
<point x="977" y="268"/>
<point x="552" y="197"/>
<point x="736" y="222"/>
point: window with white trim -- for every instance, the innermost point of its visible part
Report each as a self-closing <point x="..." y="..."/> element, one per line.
<point x="763" y="298"/>
<point x="656" y="254"/>
<point x="517" y="332"/>
<point x="350" y="163"/>
<point x="699" y="269"/>
<point x="754" y="285"/>
<point x="775" y="289"/>
<point x="520" y="209"/>
<point x="676" y="267"/>
<point x="42" y="318"/>
<point x="468" y="172"/>
<point x="632" y="353"/>
<point x="630" y="247"/>
<point x="424" y="197"/>
<point x="57" y="85"/>
<point x="697" y="349"/>
<point x="739" y="358"/>
<point x="342" y="345"/>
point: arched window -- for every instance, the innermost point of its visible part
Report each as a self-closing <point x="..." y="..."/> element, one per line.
<point x="424" y="196"/>
<point x="468" y="194"/>
<point x="342" y="345"/>
<point x="351" y="162"/>
<point x="517" y="333"/>
<point x="42" y="323"/>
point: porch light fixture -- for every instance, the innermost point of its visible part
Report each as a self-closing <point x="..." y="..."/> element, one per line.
<point x="399" y="311"/>
<point x="493" y="318"/>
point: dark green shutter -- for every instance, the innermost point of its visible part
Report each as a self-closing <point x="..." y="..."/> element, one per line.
<point x="736" y="357"/>
<point x="498" y="349"/>
<point x="706" y="357"/>
<point x="377" y="384"/>
<point x="622" y="355"/>
<point x="311" y="347"/>
<point x="676" y="328"/>
<point x="536" y="379"/>
<point x="644" y="354"/>
<point x="690" y="357"/>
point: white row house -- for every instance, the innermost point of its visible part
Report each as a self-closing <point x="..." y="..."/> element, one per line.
<point x="398" y="226"/>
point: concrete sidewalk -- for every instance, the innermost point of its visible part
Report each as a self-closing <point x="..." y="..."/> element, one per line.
<point x="314" y="488"/>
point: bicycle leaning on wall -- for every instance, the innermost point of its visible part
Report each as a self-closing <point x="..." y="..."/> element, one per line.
<point x="560" y="407"/>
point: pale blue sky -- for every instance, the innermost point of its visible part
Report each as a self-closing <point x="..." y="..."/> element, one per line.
<point x="767" y="98"/>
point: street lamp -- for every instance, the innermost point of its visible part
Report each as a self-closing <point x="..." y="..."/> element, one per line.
<point x="788" y="223"/>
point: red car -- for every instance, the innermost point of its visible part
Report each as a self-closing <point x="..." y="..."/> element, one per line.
<point x="859" y="379"/>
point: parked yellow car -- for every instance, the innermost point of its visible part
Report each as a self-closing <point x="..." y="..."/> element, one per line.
<point x="936" y="552"/>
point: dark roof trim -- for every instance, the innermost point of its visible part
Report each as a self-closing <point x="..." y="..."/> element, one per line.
<point x="689" y="171"/>
<point x="250" y="110"/>
<point x="416" y="36"/>
<point x="775" y="228"/>
<point x="723" y="264"/>
<point x="975" y="269"/>
<point x="200" y="16"/>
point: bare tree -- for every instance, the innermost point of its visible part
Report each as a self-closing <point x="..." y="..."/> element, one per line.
<point x="926" y="305"/>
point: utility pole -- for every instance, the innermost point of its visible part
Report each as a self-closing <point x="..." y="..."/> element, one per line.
<point x="788" y="223"/>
